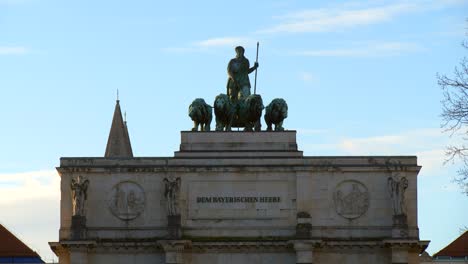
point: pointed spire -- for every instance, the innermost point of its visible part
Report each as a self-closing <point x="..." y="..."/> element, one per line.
<point x="118" y="144"/>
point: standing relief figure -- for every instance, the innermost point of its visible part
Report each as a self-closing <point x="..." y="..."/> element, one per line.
<point x="397" y="190"/>
<point x="171" y="193"/>
<point x="79" y="188"/>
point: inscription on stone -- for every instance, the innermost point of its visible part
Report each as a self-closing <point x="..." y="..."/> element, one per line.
<point x="351" y="199"/>
<point x="215" y="199"/>
<point x="126" y="200"/>
<point x="240" y="199"/>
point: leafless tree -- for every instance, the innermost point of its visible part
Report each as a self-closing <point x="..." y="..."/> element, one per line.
<point x="455" y="116"/>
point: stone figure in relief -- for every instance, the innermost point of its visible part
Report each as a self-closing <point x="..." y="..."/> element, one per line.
<point x="171" y="193"/>
<point x="351" y="199"/>
<point x="127" y="200"/>
<point x="238" y="85"/>
<point x="79" y="188"/>
<point x="397" y="190"/>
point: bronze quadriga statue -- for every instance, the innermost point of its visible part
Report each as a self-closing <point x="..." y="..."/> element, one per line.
<point x="239" y="113"/>
<point x="238" y="107"/>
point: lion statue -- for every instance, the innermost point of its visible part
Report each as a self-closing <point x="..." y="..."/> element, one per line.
<point x="201" y="114"/>
<point x="275" y="113"/>
<point x="224" y="111"/>
<point x="249" y="112"/>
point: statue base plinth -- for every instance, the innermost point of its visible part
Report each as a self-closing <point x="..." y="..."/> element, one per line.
<point x="215" y="144"/>
<point x="78" y="227"/>
<point x="303" y="231"/>
<point x="400" y="220"/>
<point x="400" y="226"/>
<point x="304" y="226"/>
<point x="174" y="226"/>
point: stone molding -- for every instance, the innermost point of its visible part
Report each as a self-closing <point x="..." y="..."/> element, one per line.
<point x="175" y="250"/>
<point x="241" y="246"/>
<point x="199" y="166"/>
<point x="408" y="163"/>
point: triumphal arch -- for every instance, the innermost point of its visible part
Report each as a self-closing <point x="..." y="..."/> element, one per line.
<point x="231" y="197"/>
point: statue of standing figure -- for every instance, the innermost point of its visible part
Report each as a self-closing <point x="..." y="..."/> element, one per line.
<point x="79" y="188"/>
<point x="238" y="107"/>
<point x="171" y="193"/>
<point x="397" y="190"/>
<point x="238" y="85"/>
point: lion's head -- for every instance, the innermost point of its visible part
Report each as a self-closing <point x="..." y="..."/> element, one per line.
<point x="254" y="104"/>
<point x="222" y="102"/>
<point x="223" y="107"/>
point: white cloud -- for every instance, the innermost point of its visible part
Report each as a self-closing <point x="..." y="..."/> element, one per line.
<point x="13" y="50"/>
<point x="337" y="19"/>
<point x="346" y="16"/>
<point x="29" y="200"/>
<point x="381" y="49"/>
<point x="405" y="143"/>
<point x="307" y="77"/>
<point x="372" y="145"/>
<point x="29" y="186"/>
<point x="427" y="144"/>
<point x="432" y="161"/>
<point x="222" y="42"/>
<point x="209" y="44"/>
<point x="24" y="217"/>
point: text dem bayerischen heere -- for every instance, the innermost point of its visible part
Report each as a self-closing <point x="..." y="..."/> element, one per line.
<point x="238" y="199"/>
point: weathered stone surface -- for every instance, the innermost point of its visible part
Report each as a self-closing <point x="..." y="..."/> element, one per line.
<point x="235" y="141"/>
<point x="78" y="227"/>
<point x="257" y="208"/>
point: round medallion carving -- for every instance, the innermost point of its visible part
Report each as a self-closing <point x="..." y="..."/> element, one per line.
<point x="126" y="200"/>
<point x="351" y="199"/>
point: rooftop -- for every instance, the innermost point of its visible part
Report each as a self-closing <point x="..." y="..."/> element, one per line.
<point x="458" y="248"/>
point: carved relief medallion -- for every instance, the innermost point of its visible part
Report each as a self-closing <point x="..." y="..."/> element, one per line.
<point x="351" y="199"/>
<point x="127" y="200"/>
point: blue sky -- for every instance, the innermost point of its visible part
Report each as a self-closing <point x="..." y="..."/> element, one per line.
<point x="359" y="78"/>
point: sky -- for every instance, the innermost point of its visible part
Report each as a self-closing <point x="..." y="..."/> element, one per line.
<point x="359" y="78"/>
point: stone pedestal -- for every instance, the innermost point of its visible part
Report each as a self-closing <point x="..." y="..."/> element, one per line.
<point x="238" y="144"/>
<point x="78" y="227"/>
<point x="400" y="226"/>
<point x="303" y="226"/>
<point x="174" y="226"/>
<point x="400" y="220"/>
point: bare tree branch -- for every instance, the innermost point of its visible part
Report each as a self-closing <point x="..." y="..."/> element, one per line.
<point x="455" y="115"/>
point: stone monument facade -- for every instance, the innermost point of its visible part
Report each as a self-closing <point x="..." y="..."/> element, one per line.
<point x="241" y="197"/>
<point x="236" y="197"/>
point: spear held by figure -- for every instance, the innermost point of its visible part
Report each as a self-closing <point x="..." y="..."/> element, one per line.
<point x="256" y="61"/>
